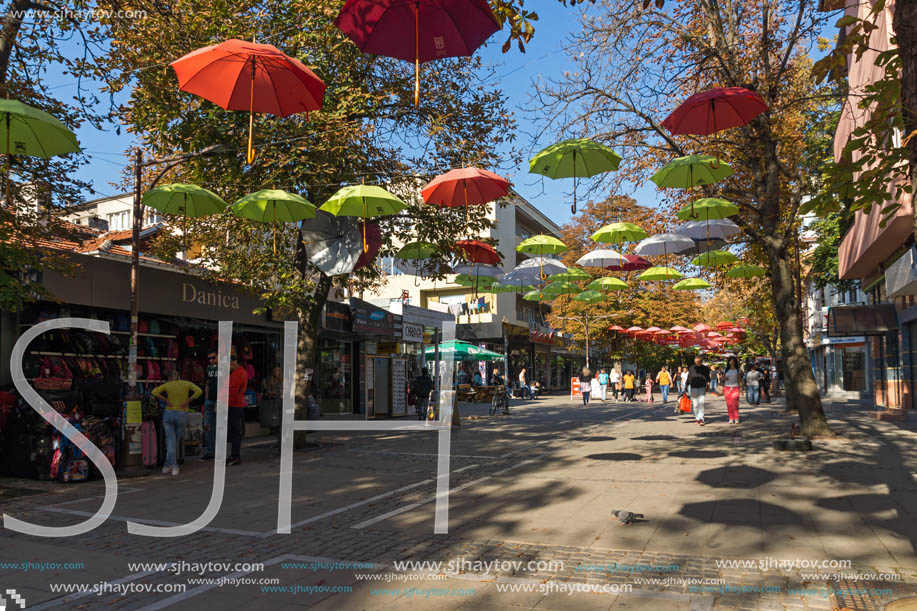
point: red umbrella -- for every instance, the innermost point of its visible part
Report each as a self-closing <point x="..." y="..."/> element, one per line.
<point x="476" y="251"/>
<point x="373" y="240"/>
<point x="724" y="325"/>
<point x="464" y="187"/>
<point x="616" y="328"/>
<point x="442" y="28"/>
<point x="737" y="330"/>
<point x="634" y="330"/>
<point x="239" y="75"/>
<point x="715" y="110"/>
<point x="680" y="329"/>
<point x="635" y="263"/>
<point x="701" y="327"/>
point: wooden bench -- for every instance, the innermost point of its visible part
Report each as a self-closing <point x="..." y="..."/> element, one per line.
<point x="465" y="393"/>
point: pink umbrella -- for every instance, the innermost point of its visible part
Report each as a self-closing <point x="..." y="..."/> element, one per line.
<point x="680" y="329"/>
<point x="442" y="28"/>
<point x="653" y="329"/>
<point x="634" y="330"/>
<point x="701" y="327"/>
<point x="635" y="263"/>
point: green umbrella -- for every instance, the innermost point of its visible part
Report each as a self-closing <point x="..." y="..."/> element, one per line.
<point x="416" y="250"/>
<point x="714" y="258"/>
<point x="560" y="287"/>
<point x="691" y="171"/>
<point x="660" y="273"/>
<point x="607" y="283"/>
<point x="574" y="159"/>
<point x="462" y="351"/>
<point x="691" y="284"/>
<point x="273" y="206"/>
<point x="537" y="295"/>
<point x="618" y="233"/>
<point x="474" y="281"/>
<point x="589" y="297"/>
<point x="364" y="201"/>
<point x="184" y="200"/>
<point x="708" y="209"/>
<point x="510" y="288"/>
<point x="745" y="271"/>
<point x="25" y="130"/>
<point x="572" y="274"/>
<point x="540" y="245"/>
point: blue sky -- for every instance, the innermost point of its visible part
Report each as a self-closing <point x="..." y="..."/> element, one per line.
<point x="543" y="58"/>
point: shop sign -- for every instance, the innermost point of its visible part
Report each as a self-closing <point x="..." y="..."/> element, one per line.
<point x="211" y="298"/>
<point x="337" y="316"/>
<point x="541" y="337"/>
<point x="412" y="333"/>
<point x="832" y="341"/>
<point x="371" y="319"/>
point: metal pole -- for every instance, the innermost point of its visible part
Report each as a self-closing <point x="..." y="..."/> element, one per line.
<point x="132" y="394"/>
<point x="586" y="325"/>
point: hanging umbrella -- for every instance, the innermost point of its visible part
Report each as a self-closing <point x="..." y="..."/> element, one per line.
<point x="702" y="246"/>
<point x="240" y="75"/>
<point x="503" y="287"/>
<point x="607" y="283"/>
<point x="364" y="201"/>
<point x="714" y="258"/>
<point x="537" y="295"/>
<point x="662" y="244"/>
<point x="25" y="130"/>
<point x="714" y="110"/>
<point x="475" y="282"/>
<point x="334" y="244"/>
<point x="442" y="28"/>
<point x="691" y="171"/>
<point x="589" y="297"/>
<point x="572" y="274"/>
<point x="708" y="209"/>
<point x="561" y="287"/>
<point x="635" y="263"/>
<point x="580" y="158"/>
<point x="465" y="187"/>
<point x="540" y="245"/>
<point x="618" y="233"/>
<point x="691" y="284"/>
<point x="745" y="271"/>
<point x="602" y="257"/>
<point x="660" y="273"/>
<point x="273" y="206"/>
<point x="722" y="229"/>
<point x="184" y="200"/>
<point x="413" y="258"/>
<point x="374" y="237"/>
<point x="476" y="269"/>
<point x="462" y="351"/>
<point x="546" y="265"/>
<point x="476" y="251"/>
<point x="522" y="276"/>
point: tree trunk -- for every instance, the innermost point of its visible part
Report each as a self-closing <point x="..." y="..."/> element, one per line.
<point x="799" y="381"/>
<point x="310" y="325"/>
<point x="11" y="25"/>
<point x="905" y="25"/>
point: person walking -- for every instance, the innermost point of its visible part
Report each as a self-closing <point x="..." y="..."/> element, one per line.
<point x="238" y="382"/>
<point x="649" y="388"/>
<point x="677" y="380"/>
<point x="422" y="386"/>
<point x="177" y="394"/>
<point x="714" y="377"/>
<point x="732" y="377"/>
<point x="210" y="404"/>
<point x="628" y="385"/>
<point x="497" y="379"/>
<point x="614" y="378"/>
<point x="683" y="376"/>
<point x="698" y="379"/>
<point x="603" y="384"/>
<point x="524" y="388"/>
<point x="766" y="384"/>
<point x="585" y="387"/>
<point x="752" y="390"/>
<point x="664" y="380"/>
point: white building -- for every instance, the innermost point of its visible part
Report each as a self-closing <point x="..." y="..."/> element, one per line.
<point x="114" y="213"/>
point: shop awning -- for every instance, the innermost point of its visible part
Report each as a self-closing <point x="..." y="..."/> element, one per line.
<point x="875" y="319"/>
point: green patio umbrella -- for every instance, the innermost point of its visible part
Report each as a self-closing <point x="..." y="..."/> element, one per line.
<point x="714" y="258"/>
<point x="660" y="273"/>
<point x="708" y="209"/>
<point x="618" y="233"/>
<point x="745" y="271"/>
<point x="691" y="284"/>
<point x="540" y="245"/>
<point x="691" y="171"/>
<point x="463" y="351"/>
<point x="589" y="297"/>
<point x="363" y="201"/>
<point x="607" y="283"/>
<point x="184" y="200"/>
<point x="572" y="274"/>
<point x="579" y="158"/>
<point x="274" y="206"/>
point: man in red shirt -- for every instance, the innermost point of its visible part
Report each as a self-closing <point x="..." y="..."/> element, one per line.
<point x="238" y="382"/>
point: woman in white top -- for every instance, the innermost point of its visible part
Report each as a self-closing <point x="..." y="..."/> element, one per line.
<point x="731" y="379"/>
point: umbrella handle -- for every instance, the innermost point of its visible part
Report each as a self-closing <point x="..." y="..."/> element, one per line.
<point x="365" y="245"/>
<point x="574" y="183"/>
<point x="416" y="54"/>
<point x="251" y="115"/>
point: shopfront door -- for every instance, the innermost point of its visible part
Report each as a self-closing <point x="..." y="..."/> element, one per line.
<point x="382" y="383"/>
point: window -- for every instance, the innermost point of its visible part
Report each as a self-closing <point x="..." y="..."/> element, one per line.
<point x="152" y="217"/>
<point x="119" y="221"/>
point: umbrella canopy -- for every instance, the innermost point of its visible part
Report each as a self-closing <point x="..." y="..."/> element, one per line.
<point x="462" y="351"/>
<point x="476" y="269"/>
<point x="503" y="287"/>
<point x="691" y="284"/>
<point x="416" y="250"/>
<point x="241" y="75"/>
<point x="721" y="229"/>
<point x="745" y="271"/>
<point x="540" y="245"/>
<point x="701" y="327"/>
<point x="589" y="297"/>
<point x="334" y="244"/>
<point x="25" y="130"/>
<point x="707" y="209"/>
<point x="691" y="171"/>
<point x="465" y="187"/>
<point x="680" y="329"/>
<point x="574" y="274"/>
<point x="633" y="329"/>
<point x="523" y="276"/>
<point x="579" y="158"/>
<point x="184" y="200"/>
<point x="714" y="258"/>
<point x="616" y="328"/>
<point x="663" y="244"/>
<point x="476" y="251"/>
<point x="443" y="28"/>
<point x="364" y="201"/>
<point x="607" y="283"/>
<point x="618" y="233"/>
<point x="723" y="325"/>
<point x="536" y="295"/>
<point x="660" y="273"/>
<point x="273" y="206"/>
<point x="634" y="263"/>
<point x="479" y="282"/>
<point x="374" y="239"/>
<point x="701" y="246"/>
<point x="714" y="110"/>
<point x="561" y="287"/>
<point x="602" y="257"/>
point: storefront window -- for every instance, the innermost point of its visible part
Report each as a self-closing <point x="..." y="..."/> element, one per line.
<point x="332" y="384"/>
<point x="854" y="363"/>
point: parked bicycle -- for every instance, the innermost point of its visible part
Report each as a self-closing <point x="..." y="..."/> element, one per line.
<point x="500" y="402"/>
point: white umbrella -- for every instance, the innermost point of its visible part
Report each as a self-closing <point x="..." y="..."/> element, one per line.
<point x="702" y="246"/>
<point x="333" y="243"/>
<point x="543" y="265"/>
<point x="480" y="270"/>
<point x="603" y="257"/>
<point x="663" y="244"/>
<point x="522" y="276"/>
<point x="721" y="229"/>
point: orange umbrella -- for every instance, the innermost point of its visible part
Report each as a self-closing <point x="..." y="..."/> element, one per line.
<point x="465" y="187"/>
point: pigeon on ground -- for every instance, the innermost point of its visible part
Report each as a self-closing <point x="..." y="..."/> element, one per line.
<point x="626" y="517"/>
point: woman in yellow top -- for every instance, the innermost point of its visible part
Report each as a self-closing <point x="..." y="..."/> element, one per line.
<point x="664" y="379"/>
<point x="629" y="385"/>
<point x="177" y="394"/>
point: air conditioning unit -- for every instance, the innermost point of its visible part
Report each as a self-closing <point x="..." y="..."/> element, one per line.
<point x="901" y="276"/>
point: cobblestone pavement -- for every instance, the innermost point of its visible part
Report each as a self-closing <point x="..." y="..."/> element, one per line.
<point x="534" y="487"/>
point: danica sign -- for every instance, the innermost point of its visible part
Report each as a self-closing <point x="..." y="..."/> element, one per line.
<point x="192" y="294"/>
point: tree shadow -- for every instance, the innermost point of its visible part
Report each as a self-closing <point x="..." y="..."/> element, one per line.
<point x="615" y="456"/>
<point x="741" y="476"/>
